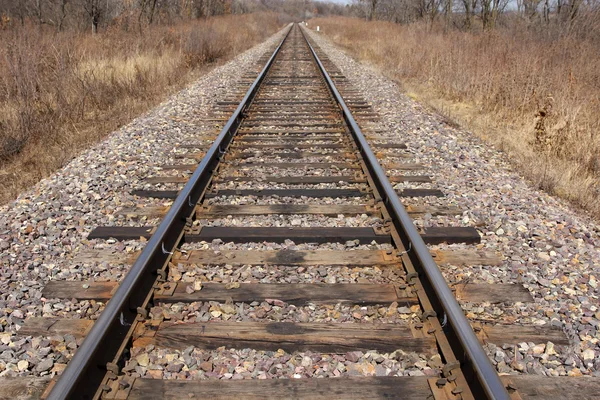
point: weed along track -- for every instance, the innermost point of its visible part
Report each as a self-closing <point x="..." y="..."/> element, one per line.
<point x="289" y="266"/>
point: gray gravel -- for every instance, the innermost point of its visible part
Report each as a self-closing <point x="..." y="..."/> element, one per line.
<point x="302" y="220"/>
<point x="549" y="247"/>
<point x="256" y="185"/>
<point x="269" y="200"/>
<point x="194" y="363"/>
<point x="274" y="310"/>
<point x="191" y="273"/>
<point x="283" y="274"/>
<point x="218" y="245"/>
<point x="43" y="232"/>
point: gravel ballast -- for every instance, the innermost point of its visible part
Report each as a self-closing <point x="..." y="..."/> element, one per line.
<point x="45" y="229"/>
<point x="548" y="246"/>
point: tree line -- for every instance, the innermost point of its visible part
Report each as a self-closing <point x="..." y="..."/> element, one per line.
<point x="483" y="13"/>
<point x="135" y="14"/>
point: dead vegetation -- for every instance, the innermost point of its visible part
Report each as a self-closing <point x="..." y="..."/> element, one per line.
<point x="536" y="95"/>
<point x="62" y="91"/>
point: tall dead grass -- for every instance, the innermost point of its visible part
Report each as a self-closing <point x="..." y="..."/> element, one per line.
<point x="61" y="92"/>
<point x="535" y="95"/>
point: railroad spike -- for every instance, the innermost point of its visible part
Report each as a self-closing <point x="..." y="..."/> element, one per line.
<point x="448" y="368"/>
<point x="162" y="275"/>
<point x="457" y="390"/>
<point x="142" y="313"/>
<point x="113" y="368"/>
<point x="412" y="277"/>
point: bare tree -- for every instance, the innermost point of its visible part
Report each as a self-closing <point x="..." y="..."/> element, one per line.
<point x="359" y="9"/>
<point x="146" y="8"/>
<point x="398" y="11"/>
<point x="373" y="14"/>
<point x="448" y="6"/>
<point x="470" y="6"/>
<point x="36" y="10"/>
<point x="490" y="9"/>
<point x="428" y="8"/>
<point x="62" y="13"/>
<point x="94" y="10"/>
<point x="530" y="8"/>
<point x="546" y="12"/>
<point x="573" y="9"/>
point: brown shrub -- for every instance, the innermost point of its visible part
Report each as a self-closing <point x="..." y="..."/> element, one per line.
<point x="61" y="92"/>
<point x="534" y="94"/>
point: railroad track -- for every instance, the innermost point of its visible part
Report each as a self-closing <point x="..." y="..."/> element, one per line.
<point x="291" y="207"/>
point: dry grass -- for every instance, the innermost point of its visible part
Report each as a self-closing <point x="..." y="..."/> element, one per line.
<point x="536" y="95"/>
<point x="61" y="92"/>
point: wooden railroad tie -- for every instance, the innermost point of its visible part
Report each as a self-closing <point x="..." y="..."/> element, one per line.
<point x="432" y="235"/>
<point x="222" y="211"/>
<point x="294" y="258"/>
<point x="297" y="294"/>
<point x="319" y="193"/>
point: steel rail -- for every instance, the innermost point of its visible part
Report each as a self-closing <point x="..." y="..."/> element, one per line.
<point x="87" y="368"/>
<point x="475" y="364"/>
